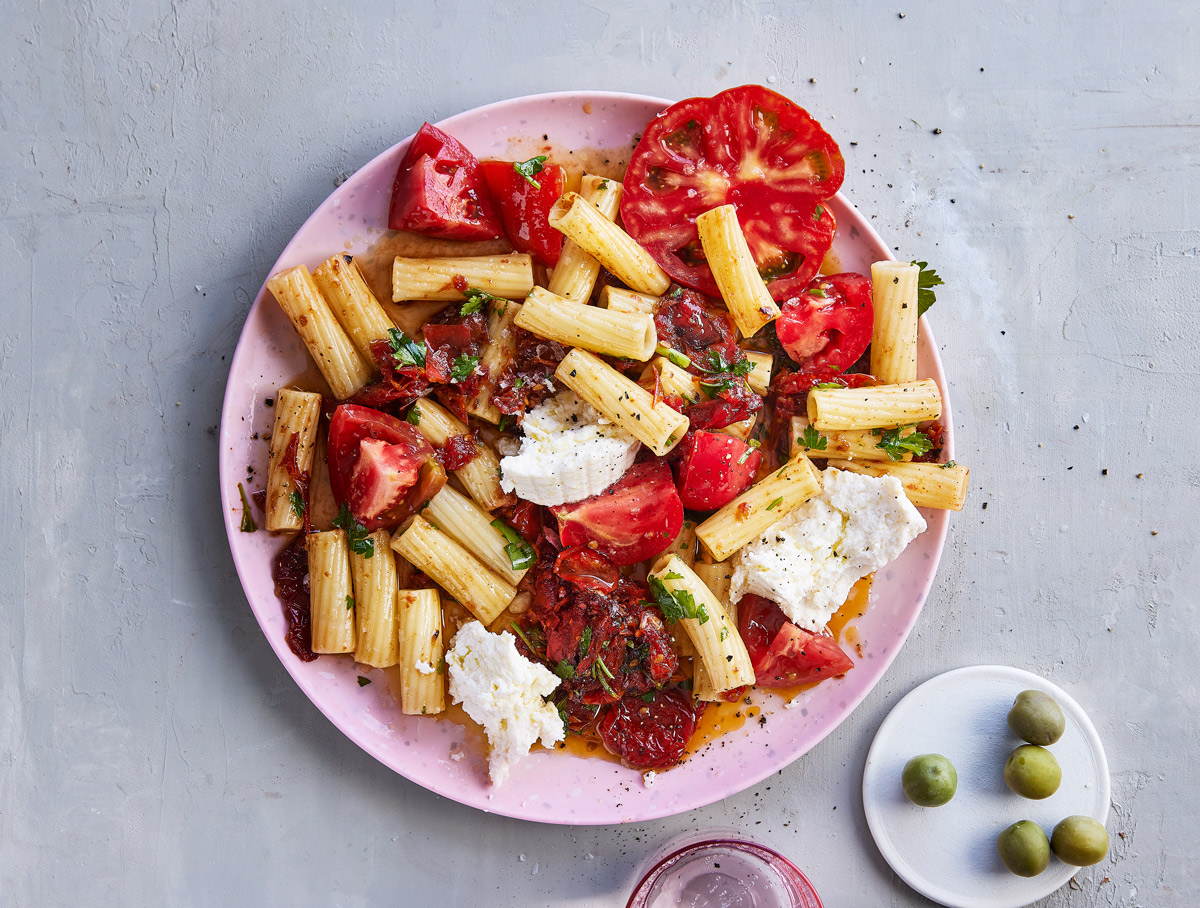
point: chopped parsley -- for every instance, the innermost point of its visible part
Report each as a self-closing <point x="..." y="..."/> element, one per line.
<point x="599" y="667"/>
<point x="413" y="416"/>
<point x="677" y="605"/>
<point x="724" y="374"/>
<point x="828" y="386"/>
<point x="505" y="419"/>
<point x="248" y="525"/>
<point x="565" y="670"/>
<point x="926" y="281"/>
<point x="360" y="540"/>
<point x="774" y="504"/>
<point x="520" y="553"/>
<point x="602" y="185"/>
<point x="813" y="440"/>
<point x="818" y="212"/>
<point x="673" y="355"/>
<point x="948" y="464"/>
<point x="476" y="299"/>
<point x="363" y="682"/>
<point x="585" y="643"/>
<point x="648" y="697"/>
<point x="462" y="367"/>
<point x="528" y="169"/>
<point x="724" y="634"/>
<point x="349" y="603"/>
<point x="296" y="500"/>
<point x="750" y="446"/>
<point x="896" y="444"/>
<point x="817" y="291"/>
<point x="405" y="350"/>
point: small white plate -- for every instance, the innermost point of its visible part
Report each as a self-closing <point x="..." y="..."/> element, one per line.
<point x="948" y="853"/>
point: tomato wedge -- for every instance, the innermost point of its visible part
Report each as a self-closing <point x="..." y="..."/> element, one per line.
<point x="440" y="192"/>
<point x="650" y="733"/>
<point x="380" y="467"/>
<point x="782" y="654"/>
<point x="748" y="147"/>
<point x="828" y="325"/>
<point x="715" y="469"/>
<point x="524" y="207"/>
<point x="635" y="518"/>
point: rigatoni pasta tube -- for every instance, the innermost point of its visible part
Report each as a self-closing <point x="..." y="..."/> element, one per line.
<point x="455" y="569"/>
<point x="626" y="404"/>
<point x="470" y="525"/>
<point x="495" y="357"/>
<point x="718" y="577"/>
<point x="347" y="293"/>
<point x="741" y="429"/>
<point x="611" y="246"/>
<point x="575" y="274"/>
<point x="685" y="543"/>
<point x="375" y="588"/>
<point x="481" y="476"/>
<point x="510" y="276"/>
<point x="742" y="287"/>
<point x="717" y="642"/>
<point x="927" y="485"/>
<point x="331" y="348"/>
<point x="874" y="407"/>
<point x="296" y="414"/>
<point x="763" y="504"/>
<point x="628" y="334"/>
<point x="849" y="444"/>
<point x="759" y="377"/>
<point x="894" y="336"/>
<point x="422" y="679"/>
<point x="331" y="603"/>
<point x="671" y="380"/>
<point x="618" y="299"/>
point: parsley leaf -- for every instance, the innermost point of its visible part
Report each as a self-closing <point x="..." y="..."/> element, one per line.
<point x="926" y="281"/>
<point x="677" y="605"/>
<point x="565" y="670"/>
<point x="948" y="464"/>
<point x="462" y="367"/>
<point x="527" y="169"/>
<point x="296" y="500"/>
<point x="724" y="374"/>
<point x="648" y="697"/>
<point x="818" y="212"/>
<point x="413" y="416"/>
<point x="724" y="634"/>
<point x="827" y="386"/>
<point x="585" y="643"/>
<point x="405" y="350"/>
<point x="476" y="299"/>
<point x="363" y="682"/>
<point x="360" y="540"/>
<point x="349" y="603"/>
<point x="817" y="291"/>
<point x="813" y="440"/>
<point x="895" y="444"/>
<point x="248" y="525"/>
<point x="520" y="553"/>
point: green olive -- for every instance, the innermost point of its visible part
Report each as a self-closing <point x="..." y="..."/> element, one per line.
<point x="1032" y="772"/>
<point x="929" y="780"/>
<point x="1023" y="848"/>
<point x="1037" y="718"/>
<point x="1080" y="841"/>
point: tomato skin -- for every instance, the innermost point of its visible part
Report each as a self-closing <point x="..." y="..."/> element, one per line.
<point x="524" y="207"/>
<point x="715" y="469"/>
<point x="828" y="325"/>
<point x="749" y="147"/>
<point x="782" y="654"/>
<point x="440" y="192"/>
<point x="635" y="518"/>
<point x="380" y="467"/>
<point x="650" y="735"/>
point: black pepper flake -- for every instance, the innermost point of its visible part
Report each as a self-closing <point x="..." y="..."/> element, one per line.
<point x="1104" y="472"/>
<point x="985" y="505"/>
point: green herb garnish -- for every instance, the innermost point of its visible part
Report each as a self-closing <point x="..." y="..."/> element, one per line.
<point x="529" y="168"/>
<point x="248" y="525"/>
<point x="817" y="291"/>
<point x="476" y="299"/>
<point x="297" y="502"/>
<point x="565" y="670"/>
<point x="926" y="281"/>
<point x="463" y="367"/>
<point x="774" y="504"/>
<point x="828" y="386"/>
<point x="948" y="464"/>
<point x="349" y="603"/>
<point x="520" y="553"/>
<point x="413" y="416"/>
<point x="585" y="643"/>
<point x="648" y="697"/>
<point x="405" y="350"/>
<point x="673" y="355"/>
<point x="677" y="605"/>
<point x="750" y="447"/>
<point x="813" y="440"/>
<point x="724" y="634"/>
<point x="360" y="540"/>
<point x="363" y="682"/>
<point x="895" y="444"/>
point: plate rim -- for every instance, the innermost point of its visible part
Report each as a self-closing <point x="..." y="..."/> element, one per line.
<point x="227" y="473"/>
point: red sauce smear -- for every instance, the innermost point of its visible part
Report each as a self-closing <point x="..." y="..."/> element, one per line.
<point x="291" y="586"/>
<point x="458" y="451"/>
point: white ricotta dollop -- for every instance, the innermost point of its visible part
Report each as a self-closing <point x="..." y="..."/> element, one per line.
<point x="569" y="452"/>
<point x="808" y="562"/>
<point x="504" y="692"/>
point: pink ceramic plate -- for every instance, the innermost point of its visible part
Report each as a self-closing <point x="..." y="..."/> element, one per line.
<point x="546" y="787"/>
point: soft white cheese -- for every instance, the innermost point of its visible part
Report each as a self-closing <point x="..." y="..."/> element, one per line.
<point x="810" y="559"/>
<point x="504" y="692"/>
<point x="569" y="452"/>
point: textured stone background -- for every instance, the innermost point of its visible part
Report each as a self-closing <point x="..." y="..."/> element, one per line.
<point x="156" y="157"/>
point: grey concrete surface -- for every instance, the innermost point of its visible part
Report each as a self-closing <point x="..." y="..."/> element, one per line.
<point x="156" y="157"/>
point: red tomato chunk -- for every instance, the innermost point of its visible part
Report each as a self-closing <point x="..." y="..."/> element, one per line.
<point x="828" y="325"/>
<point x="715" y="469"/>
<point x="782" y="654"/>
<point x="650" y="734"/>
<point x="524" y="207"/>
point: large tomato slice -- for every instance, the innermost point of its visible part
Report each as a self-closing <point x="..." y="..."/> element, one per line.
<point x="650" y="733"/>
<point x="782" y="654"/>
<point x="715" y="469"/>
<point x="380" y="467"/>
<point x="748" y="147"/>
<point x="440" y="192"/>
<point x="828" y="324"/>
<point x="635" y="518"/>
<point x="524" y="207"/>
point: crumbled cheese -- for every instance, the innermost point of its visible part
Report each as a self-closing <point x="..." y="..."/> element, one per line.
<point x="503" y="691"/>
<point x="648" y="777"/>
<point x="808" y="562"/>
<point x="569" y="452"/>
<point x="424" y="667"/>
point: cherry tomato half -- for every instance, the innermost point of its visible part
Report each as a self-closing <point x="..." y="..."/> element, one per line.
<point x="439" y="191"/>
<point x="828" y="325"/>
<point x="715" y="469"/>
<point x="649" y="733"/>
<point x="635" y="518"/>
<point x="748" y="147"/>
<point x="380" y="467"/>
<point x="524" y="207"/>
<point x="782" y="654"/>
